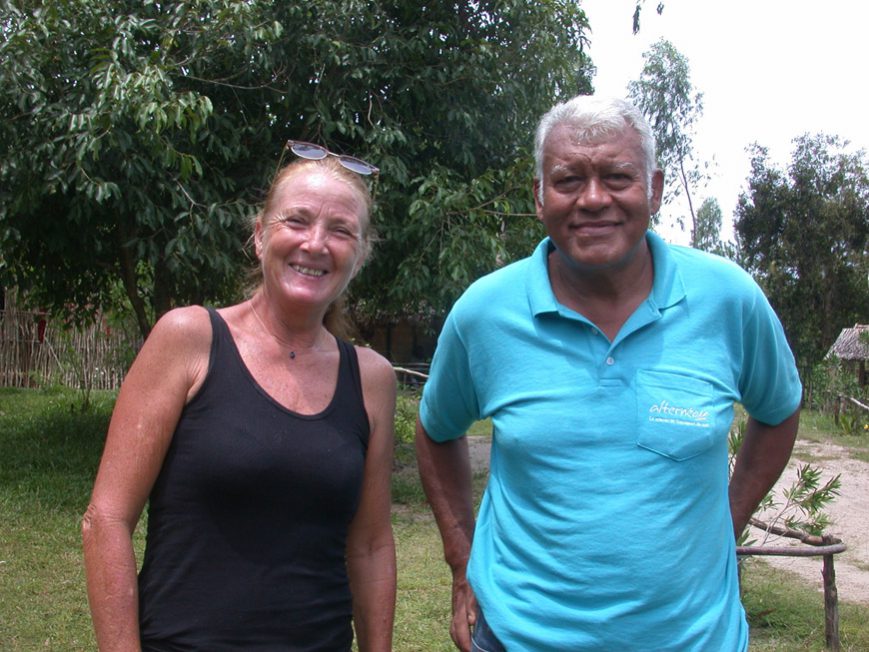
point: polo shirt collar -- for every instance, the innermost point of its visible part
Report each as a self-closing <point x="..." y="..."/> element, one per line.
<point x="541" y="297"/>
<point x="667" y="287"/>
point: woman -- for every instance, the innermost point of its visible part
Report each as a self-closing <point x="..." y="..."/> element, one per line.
<point x="263" y="444"/>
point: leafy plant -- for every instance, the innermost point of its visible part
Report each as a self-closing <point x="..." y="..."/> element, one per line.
<point x="405" y="416"/>
<point x="805" y="501"/>
<point x="837" y="392"/>
<point x="797" y="511"/>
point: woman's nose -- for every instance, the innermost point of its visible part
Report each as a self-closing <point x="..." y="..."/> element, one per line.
<point x="315" y="237"/>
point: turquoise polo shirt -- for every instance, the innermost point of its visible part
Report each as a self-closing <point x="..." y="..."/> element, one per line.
<point x="605" y="524"/>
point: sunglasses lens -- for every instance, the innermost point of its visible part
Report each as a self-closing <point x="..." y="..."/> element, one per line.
<point x="356" y="165"/>
<point x="317" y="152"/>
<point x="309" y="151"/>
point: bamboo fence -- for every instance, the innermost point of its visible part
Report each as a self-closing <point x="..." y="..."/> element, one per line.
<point x="36" y="352"/>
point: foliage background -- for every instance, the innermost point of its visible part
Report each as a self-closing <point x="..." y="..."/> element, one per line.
<point x="803" y="233"/>
<point x="138" y="136"/>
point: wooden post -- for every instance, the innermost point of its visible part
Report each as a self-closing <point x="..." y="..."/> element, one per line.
<point x="826" y="547"/>
<point x="831" y="605"/>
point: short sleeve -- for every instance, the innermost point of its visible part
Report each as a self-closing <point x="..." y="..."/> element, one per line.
<point x="449" y="402"/>
<point x="769" y="383"/>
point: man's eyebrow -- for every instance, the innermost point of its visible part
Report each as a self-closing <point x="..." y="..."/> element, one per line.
<point x="560" y="167"/>
<point x="624" y="165"/>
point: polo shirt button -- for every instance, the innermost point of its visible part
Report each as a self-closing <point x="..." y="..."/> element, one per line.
<point x="610" y="360"/>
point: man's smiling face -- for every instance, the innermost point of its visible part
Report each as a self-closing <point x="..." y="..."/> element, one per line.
<point x="594" y="197"/>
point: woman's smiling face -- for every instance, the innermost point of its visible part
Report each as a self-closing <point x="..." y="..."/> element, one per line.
<point x="310" y="239"/>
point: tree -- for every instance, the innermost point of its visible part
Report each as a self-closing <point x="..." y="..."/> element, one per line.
<point x="804" y="235"/>
<point x="666" y="97"/>
<point x="707" y="234"/>
<point x="138" y="137"/>
<point x="125" y="161"/>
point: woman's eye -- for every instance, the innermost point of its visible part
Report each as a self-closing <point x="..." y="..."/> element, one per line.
<point x="292" y="220"/>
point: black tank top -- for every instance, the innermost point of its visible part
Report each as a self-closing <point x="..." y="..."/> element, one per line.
<point x="247" y="521"/>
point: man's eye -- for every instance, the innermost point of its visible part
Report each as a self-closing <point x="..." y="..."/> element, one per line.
<point x="619" y="179"/>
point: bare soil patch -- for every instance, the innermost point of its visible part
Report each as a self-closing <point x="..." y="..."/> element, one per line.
<point x="849" y="513"/>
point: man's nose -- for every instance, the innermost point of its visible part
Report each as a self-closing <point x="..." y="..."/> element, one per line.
<point x="593" y="195"/>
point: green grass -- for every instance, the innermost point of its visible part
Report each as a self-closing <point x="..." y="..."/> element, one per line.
<point x="819" y="427"/>
<point x="49" y="450"/>
<point x="787" y="616"/>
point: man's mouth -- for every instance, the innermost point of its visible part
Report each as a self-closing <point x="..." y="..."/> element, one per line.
<point x="594" y="227"/>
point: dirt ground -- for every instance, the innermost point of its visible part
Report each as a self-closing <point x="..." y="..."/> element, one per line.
<point x="849" y="512"/>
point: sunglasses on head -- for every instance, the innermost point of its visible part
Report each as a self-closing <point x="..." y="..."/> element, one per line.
<point x="315" y="152"/>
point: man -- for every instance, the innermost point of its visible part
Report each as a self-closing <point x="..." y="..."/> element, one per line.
<point x="609" y="363"/>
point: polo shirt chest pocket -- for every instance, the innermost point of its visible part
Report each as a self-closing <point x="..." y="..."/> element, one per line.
<point x="675" y="414"/>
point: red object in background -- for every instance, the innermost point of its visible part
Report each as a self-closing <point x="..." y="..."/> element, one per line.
<point x="40" y="329"/>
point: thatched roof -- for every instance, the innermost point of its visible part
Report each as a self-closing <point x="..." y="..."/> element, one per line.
<point x="849" y="345"/>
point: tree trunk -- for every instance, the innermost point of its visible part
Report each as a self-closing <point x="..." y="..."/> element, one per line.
<point x="128" y="277"/>
<point x="684" y="179"/>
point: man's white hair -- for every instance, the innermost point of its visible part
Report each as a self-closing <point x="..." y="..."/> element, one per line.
<point x="594" y="117"/>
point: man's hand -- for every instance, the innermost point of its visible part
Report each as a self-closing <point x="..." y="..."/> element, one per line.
<point x="464" y="612"/>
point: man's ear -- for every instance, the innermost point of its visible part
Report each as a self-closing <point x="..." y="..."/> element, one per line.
<point x="657" y="191"/>
<point x="538" y="198"/>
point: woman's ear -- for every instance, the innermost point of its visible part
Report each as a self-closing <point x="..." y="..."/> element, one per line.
<point x="357" y="267"/>
<point x="365" y="252"/>
<point x="258" y="236"/>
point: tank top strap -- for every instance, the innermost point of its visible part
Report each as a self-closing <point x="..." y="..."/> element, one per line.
<point x="350" y="377"/>
<point x="350" y="366"/>
<point x="219" y="336"/>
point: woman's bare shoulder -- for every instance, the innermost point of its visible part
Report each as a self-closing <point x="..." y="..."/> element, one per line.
<point x="188" y="322"/>
<point x="180" y="342"/>
<point x="378" y="377"/>
<point x="373" y="364"/>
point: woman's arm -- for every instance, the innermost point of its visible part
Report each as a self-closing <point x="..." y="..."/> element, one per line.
<point x="370" y="546"/>
<point x="166" y="373"/>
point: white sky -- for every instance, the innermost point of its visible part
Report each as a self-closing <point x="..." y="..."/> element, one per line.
<point x="769" y="71"/>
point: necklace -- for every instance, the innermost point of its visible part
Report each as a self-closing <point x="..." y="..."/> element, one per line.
<point x="268" y="330"/>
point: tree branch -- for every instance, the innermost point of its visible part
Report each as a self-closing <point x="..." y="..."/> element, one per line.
<point x="804" y="537"/>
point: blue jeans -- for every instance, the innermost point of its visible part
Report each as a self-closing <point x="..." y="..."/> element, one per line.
<point x="484" y="639"/>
